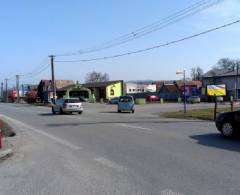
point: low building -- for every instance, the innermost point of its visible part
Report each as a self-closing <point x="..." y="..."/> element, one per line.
<point x="230" y="78"/>
<point x="45" y="91"/>
<point x="104" y="91"/>
<point x="74" y="91"/>
<point x="133" y="88"/>
<point x="170" y="92"/>
<point x="192" y="88"/>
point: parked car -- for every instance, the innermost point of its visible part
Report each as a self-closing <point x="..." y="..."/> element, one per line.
<point x="68" y="105"/>
<point x="194" y="99"/>
<point x="114" y="100"/>
<point x="228" y="123"/>
<point x="152" y="98"/>
<point x="126" y="103"/>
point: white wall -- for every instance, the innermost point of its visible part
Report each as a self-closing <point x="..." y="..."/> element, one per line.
<point x="140" y="88"/>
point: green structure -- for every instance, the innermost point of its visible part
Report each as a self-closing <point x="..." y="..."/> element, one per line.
<point x="74" y="91"/>
<point x="104" y="91"/>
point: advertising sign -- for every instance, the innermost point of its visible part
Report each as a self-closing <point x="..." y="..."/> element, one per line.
<point x="216" y="90"/>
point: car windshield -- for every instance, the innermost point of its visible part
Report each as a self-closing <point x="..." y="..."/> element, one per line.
<point x="72" y="101"/>
<point x="125" y="99"/>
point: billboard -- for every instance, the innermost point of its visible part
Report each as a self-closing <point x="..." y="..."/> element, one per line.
<point x="216" y="90"/>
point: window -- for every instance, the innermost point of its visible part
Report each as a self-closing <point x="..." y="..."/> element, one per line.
<point x="72" y="101"/>
<point x="112" y="92"/>
<point x="126" y="99"/>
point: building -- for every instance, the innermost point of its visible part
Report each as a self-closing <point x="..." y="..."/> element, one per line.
<point x="192" y="88"/>
<point x="133" y="88"/>
<point x="229" y="77"/>
<point x="170" y="92"/>
<point x="104" y="91"/>
<point x="74" y="91"/>
<point x="45" y="91"/>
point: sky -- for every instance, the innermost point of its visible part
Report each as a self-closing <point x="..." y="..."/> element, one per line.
<point x="33" y="30"/>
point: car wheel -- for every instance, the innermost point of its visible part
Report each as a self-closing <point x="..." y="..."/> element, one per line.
<point x="133" y="111"/>
<point x="80" y="112"/>
<point x="53" y="111"/>
<point x="227" y="129"/>
<point x="119" y="111"/>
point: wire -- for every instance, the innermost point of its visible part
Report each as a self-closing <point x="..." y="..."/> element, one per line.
<point x="153" y="47"/>
<point x="176" y="17"/>
<point x="31" y="74"/>
<point x="11" y="78"/>
<point x="37" y="73"/>
<point x="44" y="61"/>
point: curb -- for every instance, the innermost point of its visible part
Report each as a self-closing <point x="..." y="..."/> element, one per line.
<point x="5" y="153"/>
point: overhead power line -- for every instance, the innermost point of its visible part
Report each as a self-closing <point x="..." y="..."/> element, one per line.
<point x="44" y="65"/>
<point x="36" y="73"/>
<point x="154" y="47"/>
<point x="176" y="17"/>
<point x="36" y="70"/>
<point x="11" y="78"/>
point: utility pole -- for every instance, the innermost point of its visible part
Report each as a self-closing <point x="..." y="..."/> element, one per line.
<point x="237" y="68"/>
<point x="6" y="88"/>
<point x="53" y="78"/>
<point x="2" y="90"/>
<point x="23" y="95"/>
<point x="17" y="88"/>
<point x="185" y="101"/>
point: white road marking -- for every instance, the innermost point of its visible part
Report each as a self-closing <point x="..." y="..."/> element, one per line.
<point x="41" y="132"/>
<point x="134" y="127"/>
<point x="110" y="164"/>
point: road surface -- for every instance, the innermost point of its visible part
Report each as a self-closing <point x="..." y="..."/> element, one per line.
<point x="105" y="152"/>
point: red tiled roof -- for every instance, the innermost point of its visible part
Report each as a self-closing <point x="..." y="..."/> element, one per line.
<point x="171" y="88"/>
<point x="59" y="83"/>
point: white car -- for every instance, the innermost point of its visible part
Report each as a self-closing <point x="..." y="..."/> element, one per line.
<point x="68" y="105"/>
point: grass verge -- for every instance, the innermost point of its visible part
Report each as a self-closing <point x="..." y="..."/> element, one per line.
<point x="203" y="114"/>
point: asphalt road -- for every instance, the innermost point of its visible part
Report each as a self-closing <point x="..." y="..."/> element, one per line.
<point x="105" y="152"/>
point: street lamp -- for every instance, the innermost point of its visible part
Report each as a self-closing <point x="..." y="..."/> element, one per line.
<point x="183" y="72"/>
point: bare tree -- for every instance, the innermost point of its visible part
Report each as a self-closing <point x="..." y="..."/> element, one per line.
<point x="96" y="77"/>
<point x="227" y="64"/>
<point x="196" y="73"/>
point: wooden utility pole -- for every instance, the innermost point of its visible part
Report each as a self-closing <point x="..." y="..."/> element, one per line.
<point x="6" y="88"/>
<point x="23" y="95"/>
<point x="17" y="88"/>
<point x="2" y="90"/>
<point x="53" y="78"/>
<point x="237" y="69"/>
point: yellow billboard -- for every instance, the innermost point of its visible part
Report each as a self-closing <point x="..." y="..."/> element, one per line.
<point x="216" y="90"/>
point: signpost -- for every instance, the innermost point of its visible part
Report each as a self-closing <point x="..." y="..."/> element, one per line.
<point x="215" y="91"/>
